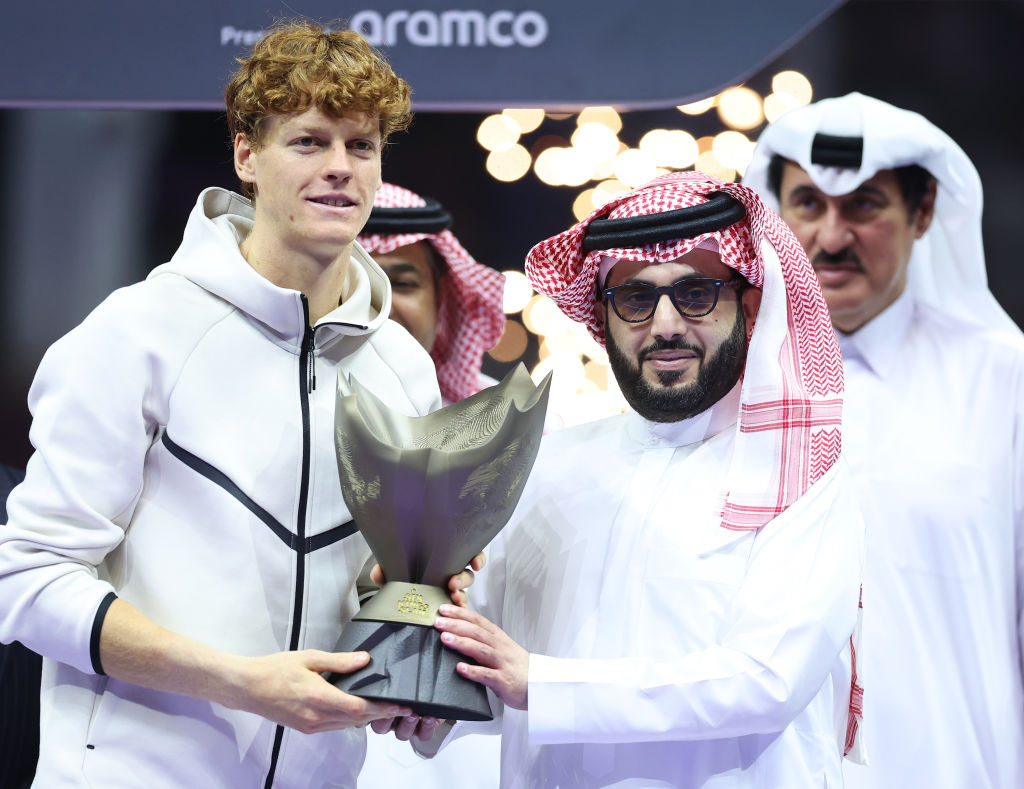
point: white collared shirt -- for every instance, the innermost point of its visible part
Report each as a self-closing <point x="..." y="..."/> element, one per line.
<point x="934" y="434"/>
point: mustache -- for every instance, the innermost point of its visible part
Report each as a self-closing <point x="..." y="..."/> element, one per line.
<point x="669" y="345"/>
<point x="842" y="256"/>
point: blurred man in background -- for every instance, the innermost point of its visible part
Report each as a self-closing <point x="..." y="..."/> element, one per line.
<point x="888" y="208"/>
<point x="448" y="301"/>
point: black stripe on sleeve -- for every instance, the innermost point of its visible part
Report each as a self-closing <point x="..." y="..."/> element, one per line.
<point x="97" y="626"/>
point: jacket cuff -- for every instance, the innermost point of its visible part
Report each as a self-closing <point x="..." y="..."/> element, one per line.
<point x="97" y="626"/>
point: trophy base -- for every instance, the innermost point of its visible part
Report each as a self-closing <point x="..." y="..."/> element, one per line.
<point x="410" y="666"/>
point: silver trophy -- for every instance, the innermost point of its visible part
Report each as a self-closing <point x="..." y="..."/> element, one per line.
<point x="428" y="493"/>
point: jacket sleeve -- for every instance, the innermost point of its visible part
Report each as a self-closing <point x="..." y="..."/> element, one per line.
<point x="789" y="623"/>
<point x="95" y="415"/>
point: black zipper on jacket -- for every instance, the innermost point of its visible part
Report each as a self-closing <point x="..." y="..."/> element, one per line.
<point x="307" y="383"/>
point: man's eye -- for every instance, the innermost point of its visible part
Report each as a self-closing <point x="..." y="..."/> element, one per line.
<point x="361" y="145"/>
<point x="693" y="293"/>
<point x="307" y="142"/>
<point x="637" y="296"/>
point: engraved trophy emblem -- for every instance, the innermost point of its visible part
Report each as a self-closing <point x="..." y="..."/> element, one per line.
<point x="428" y="493"/>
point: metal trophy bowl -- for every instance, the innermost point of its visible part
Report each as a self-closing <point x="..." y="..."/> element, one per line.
<point x="428" y="493"/>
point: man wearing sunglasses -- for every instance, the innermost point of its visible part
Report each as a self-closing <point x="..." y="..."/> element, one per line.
<point x="674" y="600"/>
<point x="668" y="368"/>
<point x="888" y="208"/>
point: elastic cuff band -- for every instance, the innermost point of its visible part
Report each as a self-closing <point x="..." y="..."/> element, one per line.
<point x="97" y="626"/>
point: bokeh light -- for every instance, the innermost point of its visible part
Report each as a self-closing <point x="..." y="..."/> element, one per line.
<point x="740" y="108"/>
<point x="542" y="316"/>
<point x="512" y="344"/>
<point x="697" y="107"/>
<point x="587" y="345"/>
<point x="597" y="373"/>
<point x="606" y="116"/>
<point x="518" y="291"/>
<point x="670" y="147"/>
<point x="597" y="142"/>
<point x="777" y="104"/>
<point x="733" y="149"/>
<point x="526" y="119"/>
<point x="497" y="132"/>
<point x="708" y="163"/>
<point x="634" y="167"/>
<point x="567" y="375"/>
<point x="545" y="166"/>
<point x="795" y="84"/>
<point x="583" y="204"/>
<point x="562" y="342"/>
<point x="606" y="190"/>
<point x="510" y="164"/>
<point x="574" y="167"/>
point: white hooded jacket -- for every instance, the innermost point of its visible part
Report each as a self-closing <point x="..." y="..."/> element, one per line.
<point x="185" y="461"/>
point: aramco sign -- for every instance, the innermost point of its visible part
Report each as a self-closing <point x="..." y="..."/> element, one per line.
<point x="425" y="28"/>
<point x="564" y="55"/>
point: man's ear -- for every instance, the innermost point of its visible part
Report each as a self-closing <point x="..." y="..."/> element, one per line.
<point x="244" y="159"/>
<point x="926" y="211"/>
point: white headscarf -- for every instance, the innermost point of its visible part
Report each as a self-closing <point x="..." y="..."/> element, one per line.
<point x="947" y="265"/>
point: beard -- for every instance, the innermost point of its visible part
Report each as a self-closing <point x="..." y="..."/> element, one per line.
<point x="717" y="375"/>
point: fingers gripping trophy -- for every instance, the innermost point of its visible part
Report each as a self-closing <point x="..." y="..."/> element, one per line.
<point x="428" y="493"/>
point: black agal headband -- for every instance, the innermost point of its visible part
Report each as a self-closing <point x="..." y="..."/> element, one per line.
<point x="719" y="211"/>
<point x="429" y="218"/>
<point x="832" y="150"/>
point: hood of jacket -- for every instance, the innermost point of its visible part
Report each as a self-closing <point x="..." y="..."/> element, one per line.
<point x="209" y="256"/>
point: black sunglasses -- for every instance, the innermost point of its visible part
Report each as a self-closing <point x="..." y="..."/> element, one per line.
<point x="693" y="297"/>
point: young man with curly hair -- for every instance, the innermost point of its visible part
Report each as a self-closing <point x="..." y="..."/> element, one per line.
<point x="180" y="551"/>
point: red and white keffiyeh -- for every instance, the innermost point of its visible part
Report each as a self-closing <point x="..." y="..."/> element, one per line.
<point x="470" y="315"/>
<point x="791" y="397"/>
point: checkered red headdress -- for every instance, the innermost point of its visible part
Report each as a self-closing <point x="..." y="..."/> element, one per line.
<point x="791" y="398"/>
<point x="470" y="317"/>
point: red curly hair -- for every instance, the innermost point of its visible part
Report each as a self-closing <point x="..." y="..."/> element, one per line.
<point x="299" y="65"/>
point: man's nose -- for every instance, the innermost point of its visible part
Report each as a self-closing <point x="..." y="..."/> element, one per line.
<point x="667" y="322"/>
<point x="339" y="163"/>
<point x="834" y="233"/>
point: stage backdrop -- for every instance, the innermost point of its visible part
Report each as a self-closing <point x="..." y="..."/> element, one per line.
<point x="475" y="55"/>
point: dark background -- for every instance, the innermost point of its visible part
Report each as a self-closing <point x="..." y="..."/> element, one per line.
<point x="62" y="246"/>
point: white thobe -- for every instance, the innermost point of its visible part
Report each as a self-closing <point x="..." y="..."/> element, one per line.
<point x="667" y="651"/>
<point x="933" y="431"/>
